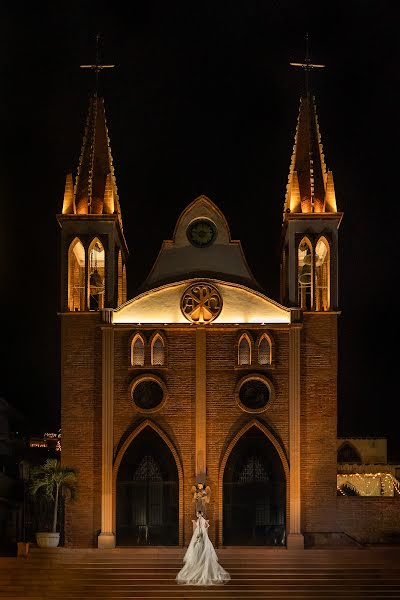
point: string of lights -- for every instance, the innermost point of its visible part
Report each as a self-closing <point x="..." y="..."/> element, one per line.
<point x="369" y="484"/>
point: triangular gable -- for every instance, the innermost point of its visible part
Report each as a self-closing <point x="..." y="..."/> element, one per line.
<point x="180" y="258"/>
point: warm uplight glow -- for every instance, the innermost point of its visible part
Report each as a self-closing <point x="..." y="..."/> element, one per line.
<point x="240" y="305"/>
<point x="76" y="276"/>
<point x="369" y="484"/>
<point x="96" y="275"/>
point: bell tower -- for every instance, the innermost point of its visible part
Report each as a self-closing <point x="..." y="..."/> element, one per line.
<point x="309" y="251"/>
<point x="93" y="247"/>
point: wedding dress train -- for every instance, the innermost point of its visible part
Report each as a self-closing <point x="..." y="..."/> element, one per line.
<point x="201" y="566"/>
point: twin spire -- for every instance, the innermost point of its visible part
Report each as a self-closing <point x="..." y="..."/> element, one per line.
<point x="95" y="190"/>
<point x="310" y="186"/>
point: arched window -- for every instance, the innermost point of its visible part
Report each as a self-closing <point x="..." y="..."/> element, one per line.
<point x="96" y="275"/>
<point x="120" y="279"/>
<point x="348" y="454"/>
<point x="244" y="350"/>
<point x="264" y="350"/>
<point x="322" y="275"/>
<point x="157" y="351"/>
<point x="123" y="284"/>
<point x="137" y="351"/>
<point x="76" y="276"/>
<point x="305" y="274"/>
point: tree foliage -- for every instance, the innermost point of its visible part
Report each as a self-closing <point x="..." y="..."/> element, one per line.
<point x="54" y="480"/>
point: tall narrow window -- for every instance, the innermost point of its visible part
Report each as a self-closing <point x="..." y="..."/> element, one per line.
<point x="157" y="351"/>
<point x="244" y="351"/>
<point x="304" y="274"/>
<point x="120" y="279"/>
<point x="96" y="275"/>
<point x="322" y="275"/>
<point x="137" y="351"/>
<point x="123" y="284"/>
<point x="264" y="351"/>
<point x="76" y="276"/>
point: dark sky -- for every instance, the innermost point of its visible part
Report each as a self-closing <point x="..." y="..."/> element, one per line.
<point x="202" y="101"/>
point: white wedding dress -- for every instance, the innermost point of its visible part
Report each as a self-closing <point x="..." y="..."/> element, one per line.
<point x="201" y="566"/>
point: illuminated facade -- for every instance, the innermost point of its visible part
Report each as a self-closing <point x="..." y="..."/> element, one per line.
<point x="201" y="378"/>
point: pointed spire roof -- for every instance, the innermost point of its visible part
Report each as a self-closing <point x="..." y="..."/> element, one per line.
<point x="310" y="186"/>
<point x="68" y="204"/>
<point x="95" y="190"/>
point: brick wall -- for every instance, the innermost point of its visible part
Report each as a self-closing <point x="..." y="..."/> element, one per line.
<point x="177" y="417"/>
<point x="81" y="411"/>
<point x="318" y="422"/>
<point x="81" y="422"/>
<point x="369" y="520"/>
<point x="224" y="417"/>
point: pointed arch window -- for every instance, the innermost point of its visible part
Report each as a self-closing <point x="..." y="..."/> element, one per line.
<point x="76" y="276"/>
<point x="322" y="275"/>
<point x="96" y="275"/>
<point x="157" y="351"/>
<point x="124" y="294"/>
<point x="264" y="351"/>
<point x="348" y="454"/>
<point x="244" y="350"/>
<point x="120" y="279"/>
<point x="305" y="274"/>
<point x="137" y="351"/>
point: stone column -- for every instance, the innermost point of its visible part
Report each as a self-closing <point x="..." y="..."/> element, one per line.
<point x="106" y="539"/>
<point x="201" y="408"/>
<point x="295" y="539"/>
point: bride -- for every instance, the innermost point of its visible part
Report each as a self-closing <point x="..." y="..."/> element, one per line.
<point x="201" y="566"/>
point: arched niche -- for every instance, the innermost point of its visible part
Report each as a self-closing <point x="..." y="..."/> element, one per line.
<point x="120" y="271"/>
<point x="254" y="459"/>
<point x="137" y="350"/>
<point x="322" y="274"/>
<point x="347" y="453"/>
<point x="149" y="465"/>
<point x="244" y="350"/>
<point x="305" y="269"/>
<point x="76" y="276"/>
<point x="264" y="349"/>
<point x="157" y="350"/>
<point x="96" y="276"/>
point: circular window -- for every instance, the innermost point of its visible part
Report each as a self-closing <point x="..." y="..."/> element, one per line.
<point x="201" y="233"/>
<point x="201" y="303"/>
<point x="254" y="394"/>
<point x="148" y="393"/>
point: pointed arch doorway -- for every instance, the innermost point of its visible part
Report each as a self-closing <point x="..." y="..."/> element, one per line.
<point x="147" y="493"/>
<point x="254" y="493"/>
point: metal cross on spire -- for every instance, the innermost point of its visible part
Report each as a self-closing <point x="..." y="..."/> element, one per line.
<point x="98" y="66"/>
<point x="307" y="65"/>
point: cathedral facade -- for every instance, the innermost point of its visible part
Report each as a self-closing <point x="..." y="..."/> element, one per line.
<point x="201" y="389"/>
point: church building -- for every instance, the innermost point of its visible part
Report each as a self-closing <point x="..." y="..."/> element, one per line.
<point x="202" y="387"/>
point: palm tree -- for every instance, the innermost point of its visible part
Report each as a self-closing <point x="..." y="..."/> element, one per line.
<point x="54" y="480"/>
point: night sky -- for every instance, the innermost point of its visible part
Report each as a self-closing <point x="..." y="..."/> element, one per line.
<point x="202" y="101"/>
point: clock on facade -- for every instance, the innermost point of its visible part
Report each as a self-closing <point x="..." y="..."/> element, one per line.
<point x="201" y="233"/>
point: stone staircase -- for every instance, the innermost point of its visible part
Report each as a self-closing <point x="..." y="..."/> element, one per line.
<point x="270" y="573"/>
